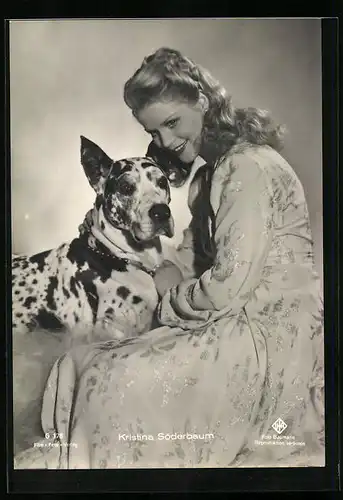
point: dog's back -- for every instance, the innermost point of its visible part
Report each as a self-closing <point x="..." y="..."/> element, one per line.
<point x="47" y="291"/>
<point x="106" y="284"/>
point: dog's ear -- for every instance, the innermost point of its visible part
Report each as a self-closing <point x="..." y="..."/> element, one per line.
<point x="95" y="162"/>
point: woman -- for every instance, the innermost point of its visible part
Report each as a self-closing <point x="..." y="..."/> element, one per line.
<point x="240" y="349"/>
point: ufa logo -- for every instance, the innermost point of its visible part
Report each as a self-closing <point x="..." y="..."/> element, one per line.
<point x="279" y="426"/>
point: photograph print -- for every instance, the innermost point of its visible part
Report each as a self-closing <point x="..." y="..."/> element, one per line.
<point x="167" y="233"/>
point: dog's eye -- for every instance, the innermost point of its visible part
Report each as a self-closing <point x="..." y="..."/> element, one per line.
<point x="162" y="183"/>
<point x="126" y="188"/>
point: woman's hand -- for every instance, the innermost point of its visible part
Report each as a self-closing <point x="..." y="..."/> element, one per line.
<point x="167" y="276"/>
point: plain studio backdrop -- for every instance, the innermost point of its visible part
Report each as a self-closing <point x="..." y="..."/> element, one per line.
<point x="67" y="77"/>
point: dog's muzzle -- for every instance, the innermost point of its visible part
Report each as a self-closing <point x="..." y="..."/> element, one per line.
<point x="161" y="216"/>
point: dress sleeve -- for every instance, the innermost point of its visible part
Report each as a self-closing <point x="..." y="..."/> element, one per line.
<point x="242" y="237"/>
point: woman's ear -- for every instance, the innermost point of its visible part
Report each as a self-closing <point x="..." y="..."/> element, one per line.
<point x="203" y="102"/>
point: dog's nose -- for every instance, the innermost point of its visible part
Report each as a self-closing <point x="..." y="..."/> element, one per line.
<point x="160" y="212"/>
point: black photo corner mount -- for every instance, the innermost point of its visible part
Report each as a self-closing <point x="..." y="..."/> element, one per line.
<point x="218" y="480"/>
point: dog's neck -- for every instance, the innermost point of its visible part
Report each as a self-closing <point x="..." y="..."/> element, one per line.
<point x="119" y="243"/>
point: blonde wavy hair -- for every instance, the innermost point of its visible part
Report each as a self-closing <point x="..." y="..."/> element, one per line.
<point x="167" y="74"/>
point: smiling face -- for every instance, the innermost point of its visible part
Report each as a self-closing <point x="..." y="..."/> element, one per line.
<point x="175" y="125"/>
<point x="134" y="193"/>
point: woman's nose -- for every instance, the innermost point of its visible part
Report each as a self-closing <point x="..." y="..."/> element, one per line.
<point x="167" y="139"/>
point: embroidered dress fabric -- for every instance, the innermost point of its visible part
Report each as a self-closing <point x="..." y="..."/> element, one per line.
<point x="240" y="348"/>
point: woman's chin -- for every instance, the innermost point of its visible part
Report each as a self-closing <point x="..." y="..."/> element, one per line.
<point x="188" y="156"/>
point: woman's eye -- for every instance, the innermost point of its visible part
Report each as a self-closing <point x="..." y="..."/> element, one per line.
<point x="162" y="183"/>
<point x="172" y="123"/>
<point x="126" y="188"/>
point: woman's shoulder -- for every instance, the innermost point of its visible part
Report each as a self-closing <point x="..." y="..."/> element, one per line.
<point x="257" y="153"/>
<point x="253" y="157"/>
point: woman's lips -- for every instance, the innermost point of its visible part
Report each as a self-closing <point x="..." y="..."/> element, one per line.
<point x="180" y="148"/>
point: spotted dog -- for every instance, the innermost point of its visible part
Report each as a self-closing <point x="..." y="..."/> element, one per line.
<point x="102" y="279"/>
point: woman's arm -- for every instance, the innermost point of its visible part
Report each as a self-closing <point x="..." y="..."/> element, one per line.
<point x="243" y="234"/>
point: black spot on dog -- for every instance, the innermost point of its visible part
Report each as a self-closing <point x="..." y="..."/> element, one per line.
<point x="86" y="276"/>
<point x="113" y="301"/>
<point x="102" y="225"/>
<point x="76" y="317"/>
<point x="76" y="253"/>
<point x="116" y="169"/>
<point x="34" y="281"/>
<point x="20" y="262"/>
<point x="66" y="293"/>
<point x="123" y="292"/>
<point x="136" y="299"/>
<point x="72" y="286"/>
<point x="16" y="292"/>
<point x="93" y="299"/>
<point x="29" y="301"/>
<point x="101" y="266"/>
<point x="79" y="303"/>
<point x="48" y="321"/>
<point x="114" y="355"/>
<point x="19" y="315"/>
<point x="21" y="283"/>
<point x="111" y="263"/>
<point x="128" y="163"/>
<point x="39" y="259"/>
<point x="123" y="216"/>
<point x="148" y="174"/>
<point x="111" y="186"/>
<point x="146" y="164"/>
<point x="52" y="287"/>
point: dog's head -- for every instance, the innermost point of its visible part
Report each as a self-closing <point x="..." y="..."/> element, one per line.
<point x="134" y="192"/>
